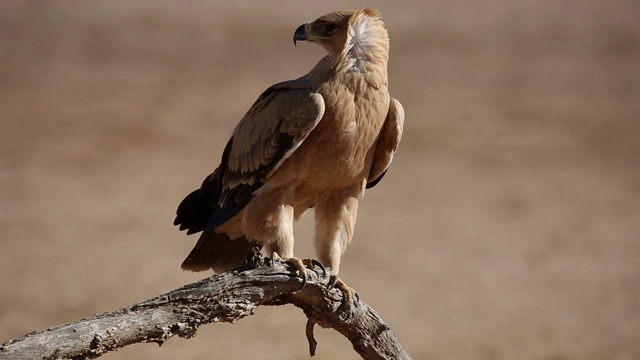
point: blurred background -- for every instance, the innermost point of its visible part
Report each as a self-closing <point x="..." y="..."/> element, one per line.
<point x="507" y="228"/>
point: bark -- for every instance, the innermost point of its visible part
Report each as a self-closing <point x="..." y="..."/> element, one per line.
<point x="225" y="297"/>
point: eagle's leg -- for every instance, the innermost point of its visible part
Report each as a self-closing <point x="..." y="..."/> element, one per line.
<point x="336" y="214"/>
<point x="268" y="220"/>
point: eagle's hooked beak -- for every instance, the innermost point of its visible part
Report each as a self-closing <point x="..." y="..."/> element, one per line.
<point x="300" y="34"/>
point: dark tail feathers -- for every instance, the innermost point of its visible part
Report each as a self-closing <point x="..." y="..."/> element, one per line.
<point x="214" y="250"/>
<point x="218" y="252"/>
<point x="193" y="212"/>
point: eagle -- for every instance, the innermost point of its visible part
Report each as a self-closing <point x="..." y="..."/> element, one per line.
<point x="318" y="141"/>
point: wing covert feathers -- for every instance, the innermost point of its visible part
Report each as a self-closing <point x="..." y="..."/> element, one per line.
<point x="281" y="119"/>
<point x="273" y="128"/>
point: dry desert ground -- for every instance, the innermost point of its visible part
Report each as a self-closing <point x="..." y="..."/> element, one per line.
<point x="507" y="228"/>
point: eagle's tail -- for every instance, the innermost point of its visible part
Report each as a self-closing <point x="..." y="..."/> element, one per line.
<point x="214" y="250"/>
<point x="218" y="252"/>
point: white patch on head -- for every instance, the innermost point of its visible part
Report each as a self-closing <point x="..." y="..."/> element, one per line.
<point x="359" y="33"/>
<point x="365" y="37"/>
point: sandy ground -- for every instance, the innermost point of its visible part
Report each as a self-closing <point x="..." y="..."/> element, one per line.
<point x="508" y="227"/>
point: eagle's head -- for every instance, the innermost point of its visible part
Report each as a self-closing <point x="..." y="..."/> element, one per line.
<point x="346" y="31"/>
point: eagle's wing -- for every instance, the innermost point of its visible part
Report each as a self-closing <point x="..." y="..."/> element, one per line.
<point x="273" y="128"/>
<point x="387" y="143"/>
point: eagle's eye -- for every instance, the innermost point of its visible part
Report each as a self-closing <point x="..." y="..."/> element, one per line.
<point x="329" y="29"/>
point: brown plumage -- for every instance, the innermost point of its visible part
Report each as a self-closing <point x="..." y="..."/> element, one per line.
<point x="317" y="141"/>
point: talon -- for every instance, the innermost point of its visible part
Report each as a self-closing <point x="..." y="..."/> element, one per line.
<point x="304" y="281"/>
<point x="301" y="266"/>
<point x="301" y="269"/>
<point x="314" y="262"/>
<point x="349" y="295"/>
<point x="332" y="282"/>
<point x="349" y="314"/>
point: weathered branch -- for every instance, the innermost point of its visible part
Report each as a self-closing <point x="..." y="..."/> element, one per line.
<point x="224" y="297"/>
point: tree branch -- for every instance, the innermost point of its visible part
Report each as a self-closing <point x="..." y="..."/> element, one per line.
<point x="225" y="297"/>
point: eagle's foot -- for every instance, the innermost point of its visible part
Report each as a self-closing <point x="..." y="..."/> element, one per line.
<point x="302" y="266"/>
<point x="350" y="296"/>
<point x="312" y="263"/>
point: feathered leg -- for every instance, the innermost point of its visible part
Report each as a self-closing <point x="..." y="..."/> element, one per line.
<point x="268" y="220"/>
<point x="336" y="214"/>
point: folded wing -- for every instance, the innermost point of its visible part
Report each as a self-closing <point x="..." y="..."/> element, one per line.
<point x="273" y="128"/>
<point x="387" y="143"/>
